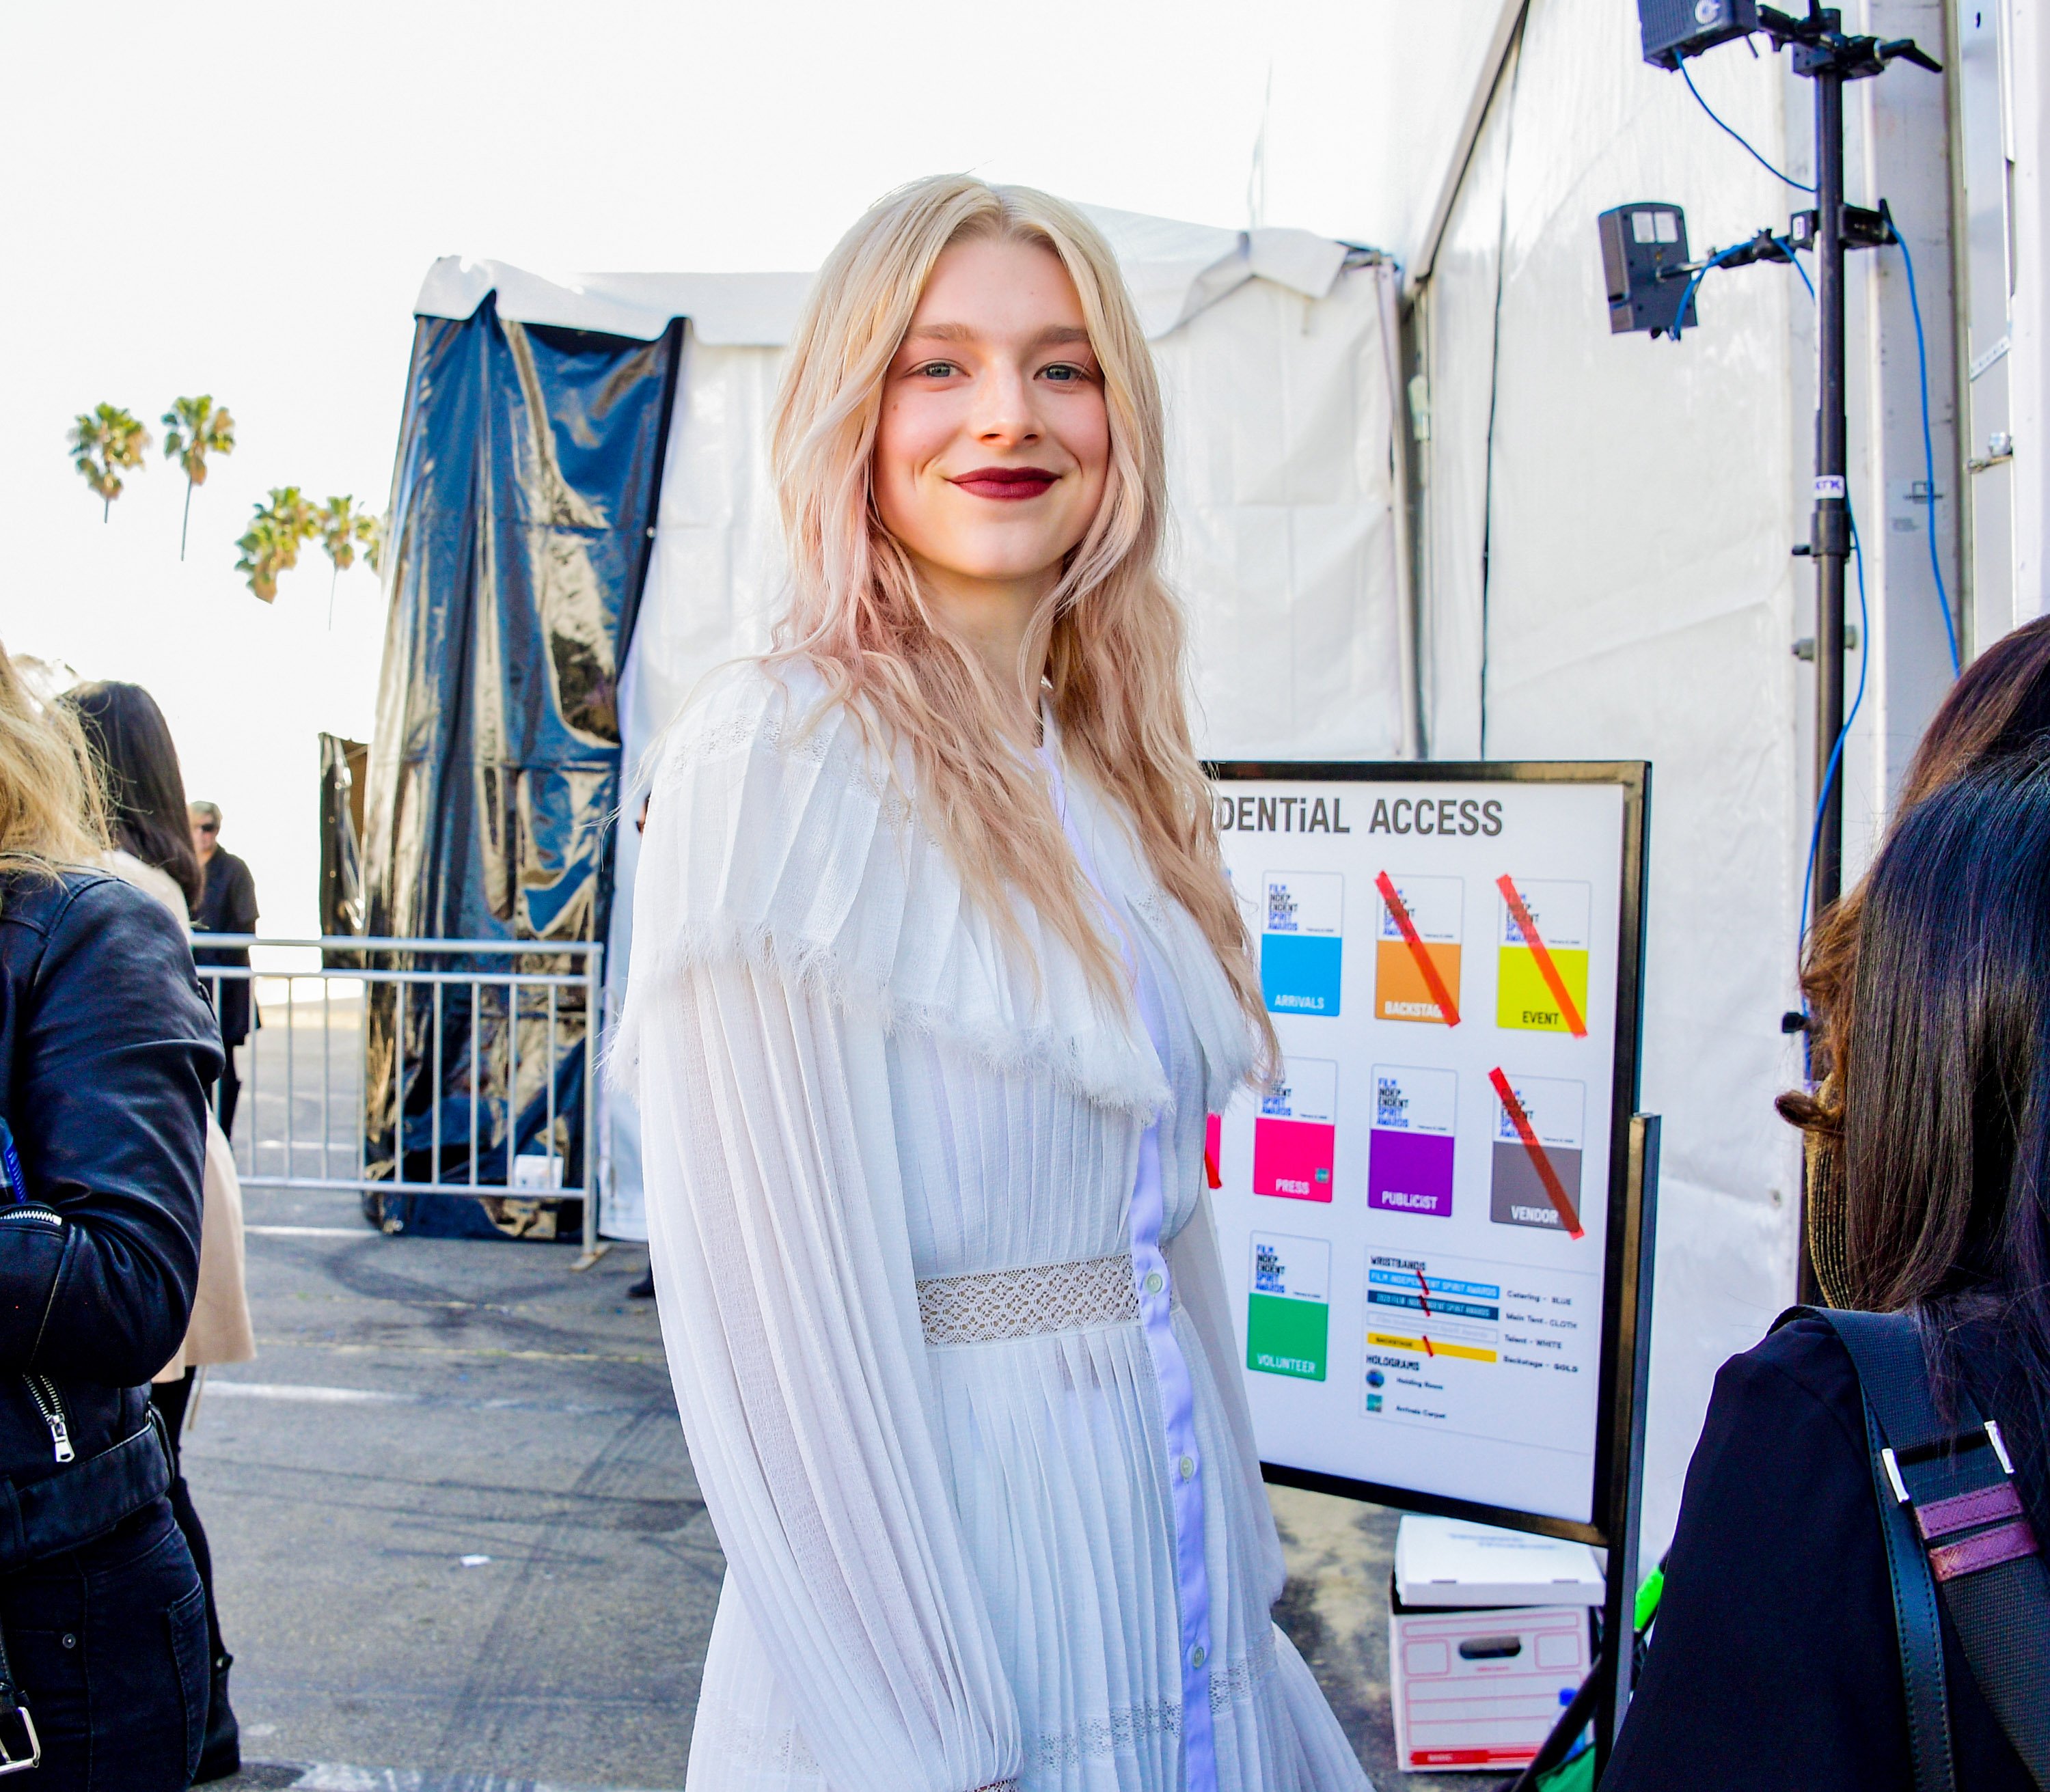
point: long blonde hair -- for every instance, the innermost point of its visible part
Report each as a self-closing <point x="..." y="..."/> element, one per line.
<point x="52" y="813"/>
<point x="1110" y="635"/>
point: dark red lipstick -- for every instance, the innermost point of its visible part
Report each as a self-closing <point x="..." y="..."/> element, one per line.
<point x="1006" y="483"/>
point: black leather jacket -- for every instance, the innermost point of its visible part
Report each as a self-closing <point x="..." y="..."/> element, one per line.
<point x="106" y="1049"/>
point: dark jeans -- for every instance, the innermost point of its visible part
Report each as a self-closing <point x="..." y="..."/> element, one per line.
<point x="108" y="1641"/>
<point x="171" y="1399"/>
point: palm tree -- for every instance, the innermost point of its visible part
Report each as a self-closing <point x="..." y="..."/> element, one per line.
<point x="343" y="528"/>
<point x="262" y="557"/>
<point x="195" y="428"/>
<point x="271" y="545"/>
<point x="290" y="506"/>
<point x="103" y="442"/>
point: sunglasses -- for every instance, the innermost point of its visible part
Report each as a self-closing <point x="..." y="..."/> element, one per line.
<point x="209" y="826"/>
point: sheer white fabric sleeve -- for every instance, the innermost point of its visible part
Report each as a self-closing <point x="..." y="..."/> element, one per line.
<point x="776" y="929"/>
<point x="787" y="1306"/>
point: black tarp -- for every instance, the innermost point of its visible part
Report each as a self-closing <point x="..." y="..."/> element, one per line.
<point x="343" y="766"/>
<point x="522" y="519"/>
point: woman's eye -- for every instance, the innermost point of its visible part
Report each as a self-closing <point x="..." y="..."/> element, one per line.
<point x="1063" y="372"/>
<point x="936" y="370"/>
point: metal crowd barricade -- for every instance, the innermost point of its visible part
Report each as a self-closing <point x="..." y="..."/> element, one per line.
<point x="309" y="1108"/>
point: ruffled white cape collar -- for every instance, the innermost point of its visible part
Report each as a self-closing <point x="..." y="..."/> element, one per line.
<point x="779" y="835"/>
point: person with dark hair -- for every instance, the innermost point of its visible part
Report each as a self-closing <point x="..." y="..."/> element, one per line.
<point x="106" y="1051"/>
<point x="146" y="793"/>
<point x="146" y="799"/>
<point x="1775" y="1662"/>
<point x="226" y="904"/>
<point x="1999" y="707"/>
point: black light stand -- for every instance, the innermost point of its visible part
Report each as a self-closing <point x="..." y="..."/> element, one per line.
<point x="1830" y="528"/>
<point x="1825" y="55"/>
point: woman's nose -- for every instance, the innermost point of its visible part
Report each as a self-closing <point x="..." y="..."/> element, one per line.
<point x="1003" y="407"/>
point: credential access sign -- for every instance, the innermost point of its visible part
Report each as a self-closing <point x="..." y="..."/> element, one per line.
<point x="1417" y="1213"/>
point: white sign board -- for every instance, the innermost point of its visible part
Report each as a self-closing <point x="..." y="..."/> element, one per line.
<point x="1417" y="1217"/>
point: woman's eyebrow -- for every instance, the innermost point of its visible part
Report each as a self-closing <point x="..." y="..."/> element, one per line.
<point x="1052" y="335"/>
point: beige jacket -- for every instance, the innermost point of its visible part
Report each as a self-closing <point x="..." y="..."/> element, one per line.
<point x="219" y="1331"/>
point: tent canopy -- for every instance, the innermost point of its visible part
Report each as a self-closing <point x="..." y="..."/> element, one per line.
<point x="1175" y="271"/>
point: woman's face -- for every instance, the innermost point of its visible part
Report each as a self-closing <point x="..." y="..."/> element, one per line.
<point x="993" y="446"/>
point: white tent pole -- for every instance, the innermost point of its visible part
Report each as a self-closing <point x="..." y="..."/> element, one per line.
<point x="1389" y="280"/>
<point x="1508" y="21"/>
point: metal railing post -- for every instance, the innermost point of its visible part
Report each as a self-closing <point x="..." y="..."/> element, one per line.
<point x="593" y="982"/>
<point x="554" y="1175"/>
<point x="291" y="1086"/>
<point x="327" y="1065"/>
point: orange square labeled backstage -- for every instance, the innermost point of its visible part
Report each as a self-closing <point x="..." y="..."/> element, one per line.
<point x="1403" y="988"/>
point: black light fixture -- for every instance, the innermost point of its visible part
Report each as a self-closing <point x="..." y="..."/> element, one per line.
<point x="1677" y="28"/>
<point x="1644" y="261"/>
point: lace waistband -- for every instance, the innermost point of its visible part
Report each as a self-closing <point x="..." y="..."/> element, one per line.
<point x="1028" y="1303"/>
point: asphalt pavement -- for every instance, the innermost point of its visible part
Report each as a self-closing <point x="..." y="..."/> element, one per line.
<point x="459" y="1546"/>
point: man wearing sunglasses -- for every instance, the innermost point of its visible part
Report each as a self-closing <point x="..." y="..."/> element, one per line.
<point x="227" y="906"/>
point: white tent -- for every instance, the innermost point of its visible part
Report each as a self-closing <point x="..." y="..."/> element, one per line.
<point x="1278" y="351"/>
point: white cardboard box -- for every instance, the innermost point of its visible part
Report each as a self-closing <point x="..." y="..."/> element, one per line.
<point x="1454" y="1562"/>
<point x="1479" y="1669"/>
<point x="1480" y="1690"/>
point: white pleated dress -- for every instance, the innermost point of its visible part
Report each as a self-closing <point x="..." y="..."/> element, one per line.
<point x="949" y="1565"/>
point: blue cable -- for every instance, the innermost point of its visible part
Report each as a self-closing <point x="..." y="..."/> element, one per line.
<point x="1836" y="751"/>
<point x="1687" y="294"/>
<point x="1801" y="186"/>
<point x="1928" y="447"/>
<point x="1794" y="260"/>
<point x="1715" y="260"/>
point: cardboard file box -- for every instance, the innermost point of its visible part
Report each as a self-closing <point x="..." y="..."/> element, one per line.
<point x="1490" y="1634"/>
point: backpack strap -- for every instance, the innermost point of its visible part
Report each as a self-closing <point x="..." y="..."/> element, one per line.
<point x="1948" y="1491"/>
<point x="1916" y="1626"/>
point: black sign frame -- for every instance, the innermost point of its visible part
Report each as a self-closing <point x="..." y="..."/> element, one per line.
<point x="1616" y="1493"/>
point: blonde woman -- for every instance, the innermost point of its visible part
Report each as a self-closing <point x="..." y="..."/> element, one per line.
<point x="107" y="1047"/>
<point x="936" y="974"/>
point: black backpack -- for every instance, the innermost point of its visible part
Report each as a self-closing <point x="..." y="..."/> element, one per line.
<point x="1952" y="1518"/>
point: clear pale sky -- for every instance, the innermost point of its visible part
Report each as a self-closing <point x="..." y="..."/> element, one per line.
<point x="242" y="200"/>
